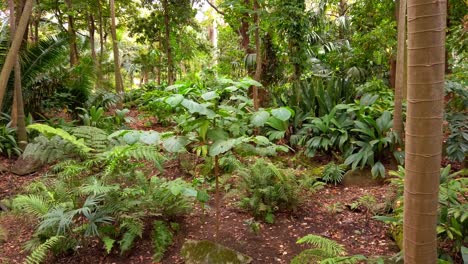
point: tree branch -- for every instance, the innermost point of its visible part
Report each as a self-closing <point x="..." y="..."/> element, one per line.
<point x="215" y="8"/>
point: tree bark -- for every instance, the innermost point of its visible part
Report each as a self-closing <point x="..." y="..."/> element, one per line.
<point x="12" y="54"/>
<point x="400" y="71"/>
<point x="17" y="116"/>
<point x="426" y="66"/>
<point x="170" y="70"/>
<point x="72" y="35"/>
<point x="118" y="76"/>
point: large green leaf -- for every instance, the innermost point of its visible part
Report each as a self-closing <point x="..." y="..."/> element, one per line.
<point x="150" y="137"/>
<point x="259" y="118"/>
<point x="378" y="170"/>
<point x="221" y="146"/>
<point x="174" y="100"/>
<point x="282" y="113"/>
<point x="175" y="144"/>
<point x="209" y="95"/>
<point x="194" y="107"/>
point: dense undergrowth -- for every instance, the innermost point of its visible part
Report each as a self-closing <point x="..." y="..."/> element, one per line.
<point x="93" y="191"/>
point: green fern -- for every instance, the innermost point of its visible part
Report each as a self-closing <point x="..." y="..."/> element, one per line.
<point x="40" y="253"/>
<point x="324" y="251"/>
<point x="119" y="154"/>
<point x="51" y="131"/>
<point x="96" y="187"/>
<point x="31" y="204"/>
<point x="133" y="228"/>
<point x="48" y="150"/>
<point x="162" y="238"/>
<point x="93" y="137"/>
<point x="329" y="247"/>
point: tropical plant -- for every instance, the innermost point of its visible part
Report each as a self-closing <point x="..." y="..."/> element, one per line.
<point x="8" y="144"/>
<point x="324" y="251"/>
<point x="266" y="189"/>
<point x="333" y="173"/>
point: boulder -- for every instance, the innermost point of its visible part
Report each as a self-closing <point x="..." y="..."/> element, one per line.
<point x="24" y="166"/>
<point x="361" y="178"/>
<point x="207" y="252"/>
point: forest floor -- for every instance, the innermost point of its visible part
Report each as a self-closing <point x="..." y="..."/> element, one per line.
<point x="326" y="212"/>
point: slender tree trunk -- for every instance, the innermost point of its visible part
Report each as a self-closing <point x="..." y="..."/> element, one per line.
<point x="118" y="76"/>
<point x="101" y="43"/>
<point x="258" y="60"/>
<point x="426" y="66"/>
<point x="72" y="35"/>
<point x="92" y="45"/>
<point x="170" y="70"/>
<point x="12" y="54"/>
<point x="400" y="71"/>
<point x="17" y="117"/>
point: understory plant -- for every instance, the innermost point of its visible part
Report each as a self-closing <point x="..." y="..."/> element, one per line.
<point x="324" y="251"/>
<point x="356" y="132"/>
<point x="100" y="195"/>
<point x="266" y="189"/>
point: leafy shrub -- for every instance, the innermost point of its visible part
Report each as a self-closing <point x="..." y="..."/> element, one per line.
<point x="333" y="173"/>
<point x="266" y="189"/>
<point x="8" y="144"/>
<point x="457" y="141"/>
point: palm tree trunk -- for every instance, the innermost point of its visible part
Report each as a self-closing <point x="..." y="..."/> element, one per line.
<point x="426" y="66"/>
<point x="12" y="54"/>
<point x="118" y="76"/>
<point x="400" y="71"/>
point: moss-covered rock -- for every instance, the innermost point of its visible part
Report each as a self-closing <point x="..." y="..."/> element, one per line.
<point x="361" y="178"/>
<point x="207" y="252"/>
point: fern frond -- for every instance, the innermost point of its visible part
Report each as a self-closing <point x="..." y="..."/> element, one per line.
<point x="40" y="253"/>
<point x="31" y="204"/>
<point x="93" y="137"/>
<point x="51" y="131"/>
<point x="134" y="228"/>
<point x="96" y="187"/>
<point x="328" y="246"/>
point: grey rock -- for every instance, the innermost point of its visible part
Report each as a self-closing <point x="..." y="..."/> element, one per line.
<point x="24" y="166"/>
<point x="207" y="252"/>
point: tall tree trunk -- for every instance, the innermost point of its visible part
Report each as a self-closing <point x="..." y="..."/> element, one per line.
<point x="17" y="117"/>
<point x="92" y="45"/>
<point x="101" y="43"/>
<point x="426" y="66"/>
<point x="12" y="54"/>
<point x="72" y="35"/>
<point x="118" y="76"/>
<point x="170" y="70"/>
<point x="258" y="60"/>
<point x="400" y="71"/>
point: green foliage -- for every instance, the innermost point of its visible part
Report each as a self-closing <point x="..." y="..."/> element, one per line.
<point x="93" y="137"/>
<point x="40" y="253"/>
<point x="333" y="173"/>
<point x="457" y="141"/>
<point x="8" y="144"/>
<point x="49" y="132"/>
<point x="325" y="251"/>
<point x="266" y="189"/>
<point x="48" y="150"/>
<point x="162" y="238"/>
